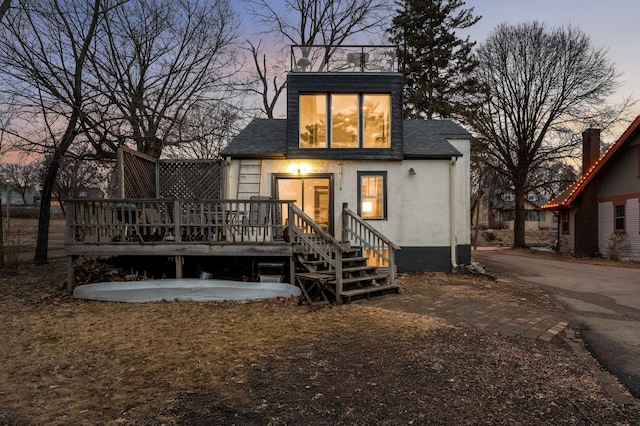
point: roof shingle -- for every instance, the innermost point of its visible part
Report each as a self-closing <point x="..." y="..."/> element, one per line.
<point x="422" y="139"/>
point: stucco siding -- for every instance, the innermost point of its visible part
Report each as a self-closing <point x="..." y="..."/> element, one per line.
<point x="462" y="192"/>
<point x="417" y="205"/>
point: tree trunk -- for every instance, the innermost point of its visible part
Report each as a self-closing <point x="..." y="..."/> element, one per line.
<point x="519" y="219"/>
<point x="1" y="239"/>
<point x="42" y="245"/>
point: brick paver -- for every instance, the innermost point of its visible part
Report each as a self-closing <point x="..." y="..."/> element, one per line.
<point x="505" y="319"/>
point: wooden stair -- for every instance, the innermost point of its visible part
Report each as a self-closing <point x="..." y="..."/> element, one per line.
<point x="358" y="279"/>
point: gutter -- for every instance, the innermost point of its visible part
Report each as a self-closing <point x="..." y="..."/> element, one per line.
<point x="452" y="211"/>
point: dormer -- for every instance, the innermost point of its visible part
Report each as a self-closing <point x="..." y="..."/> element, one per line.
<point x="344" y="102"/>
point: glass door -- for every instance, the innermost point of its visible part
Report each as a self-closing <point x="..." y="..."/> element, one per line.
<point x="311" y="194"/>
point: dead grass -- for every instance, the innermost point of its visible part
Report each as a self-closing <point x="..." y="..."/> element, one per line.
<point x="65" y="361"/>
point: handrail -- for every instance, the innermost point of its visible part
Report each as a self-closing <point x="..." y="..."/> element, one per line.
<point x="173" y="220"/>
<point x="306" y="232"/>
<point x="369" y="237"/>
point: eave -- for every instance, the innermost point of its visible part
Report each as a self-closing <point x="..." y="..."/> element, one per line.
<point x="566" y="198"/>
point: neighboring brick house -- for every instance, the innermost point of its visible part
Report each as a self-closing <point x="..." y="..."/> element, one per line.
<point x="600" y="213"/>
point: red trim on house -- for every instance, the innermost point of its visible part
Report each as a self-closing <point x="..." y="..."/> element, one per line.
<point x="620" y="199"/>
<point x="572" y="191"/>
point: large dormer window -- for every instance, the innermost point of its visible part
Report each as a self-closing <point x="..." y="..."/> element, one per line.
<point x="345" y="120"/>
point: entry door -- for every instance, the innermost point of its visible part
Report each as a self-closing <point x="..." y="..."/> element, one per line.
<point x="311" y="194"/>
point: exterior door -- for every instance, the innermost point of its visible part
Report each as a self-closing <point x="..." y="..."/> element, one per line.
<point x="312" y="194"/>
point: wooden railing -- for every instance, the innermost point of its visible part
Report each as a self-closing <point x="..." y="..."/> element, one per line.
<point x="158" y="220"/>
<point x="379" y="249"/>
<point x="309" y="237"/>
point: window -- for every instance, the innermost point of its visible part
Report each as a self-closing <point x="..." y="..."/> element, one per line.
<point x="313" y="121"/>
<point x="344" y="121"/>
<point x="619" y="219"/>
<point x="377" y="119"/>
<point x="532" y="197"/>
<point x="507" y="197"/>
<point x="564" y="220"/>
<point x="355" y="120"/>
<point x="531" y="216"/>
<point x="372" y="195"/>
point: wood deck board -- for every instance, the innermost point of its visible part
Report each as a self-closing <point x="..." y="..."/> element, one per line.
<point x="179" y="249"/>
<point x="361" y="279"/>
<point x="361" y="291"/>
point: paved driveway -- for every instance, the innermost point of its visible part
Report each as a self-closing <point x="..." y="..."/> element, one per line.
<point x="603" y="302"/>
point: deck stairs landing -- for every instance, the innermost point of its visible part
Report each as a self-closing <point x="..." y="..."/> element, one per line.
<point x="331" y="270"/>
<point x="358" y="279"/>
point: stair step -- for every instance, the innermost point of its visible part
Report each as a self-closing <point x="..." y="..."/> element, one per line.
<point x="359" y="268"/>
<point x="361" y="291"/>
<point x="353" y="259"/>
<point x="361" y="279"/>
<point x="313" y="262"/>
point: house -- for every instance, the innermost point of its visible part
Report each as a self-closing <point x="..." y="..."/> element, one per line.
<point x="496" y="210"/>
<point x="345" y="143"/>
<point x="599" y="213"/>
<point x="344" y="191"/>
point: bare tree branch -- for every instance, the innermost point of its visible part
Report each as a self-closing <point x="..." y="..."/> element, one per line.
<point x="542" y="87"/>
<point x="308" y="22"/>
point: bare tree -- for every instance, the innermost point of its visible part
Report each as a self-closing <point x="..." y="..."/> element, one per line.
<point x="23" y="177"/>
<point x="43" y="50"/>
<point x="308" y="22"/>
<point x="154" y="64"/>
<point x="542" y="86"/>
<point x="207" y="129"/>
<point x="78" y="174"/>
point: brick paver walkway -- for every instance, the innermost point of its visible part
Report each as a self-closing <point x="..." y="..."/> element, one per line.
<point x="506" y="319"/>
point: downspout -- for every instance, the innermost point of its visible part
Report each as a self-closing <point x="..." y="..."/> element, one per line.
<point x="452" y="212"/>
<point x="226" y="178"/>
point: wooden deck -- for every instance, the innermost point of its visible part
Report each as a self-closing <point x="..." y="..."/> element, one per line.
<point x="250" y="228"/>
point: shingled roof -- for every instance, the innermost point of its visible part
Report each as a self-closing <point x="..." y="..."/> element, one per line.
<point x="267" y="138"/>
<point x="570" y="193"/>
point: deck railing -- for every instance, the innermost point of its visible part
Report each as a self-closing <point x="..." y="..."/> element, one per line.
<point x="344" y="58"/>
<point x="309" y="237"/>
<point x="376" y="247"/>
<point x="160" y="220"/>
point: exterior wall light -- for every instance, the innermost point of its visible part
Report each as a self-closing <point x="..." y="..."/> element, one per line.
<point x="412" y="172"/>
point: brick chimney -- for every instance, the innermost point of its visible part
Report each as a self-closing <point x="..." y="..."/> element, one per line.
<point x="590" y="149"/>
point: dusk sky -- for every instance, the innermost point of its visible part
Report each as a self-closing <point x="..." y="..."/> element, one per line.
<point x="612" y="25"/>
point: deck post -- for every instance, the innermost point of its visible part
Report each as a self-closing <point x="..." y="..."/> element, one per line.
<point x="71" y="273"/>
<point x="178" y="267"/>
<point x="338" y="277"/>
<point x="176" y="221"/>
<point x="345" y="234"/>
<point x="289" y="231"/>
<point x="392" y="265"/>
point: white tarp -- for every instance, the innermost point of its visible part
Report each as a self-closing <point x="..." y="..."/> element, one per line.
<point x="192" y="290"/>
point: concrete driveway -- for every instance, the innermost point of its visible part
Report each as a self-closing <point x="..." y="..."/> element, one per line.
<point x="602" y="302"/>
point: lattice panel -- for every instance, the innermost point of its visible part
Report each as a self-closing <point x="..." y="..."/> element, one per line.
<point x="139" y="175"/>
<point x="191" y="179"/>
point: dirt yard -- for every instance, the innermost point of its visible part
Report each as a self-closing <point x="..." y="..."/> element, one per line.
<point x="64" y="361"/>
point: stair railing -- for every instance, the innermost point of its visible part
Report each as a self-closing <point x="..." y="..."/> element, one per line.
<point x="305" y="233"/>
<point x="361" y="233"/>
